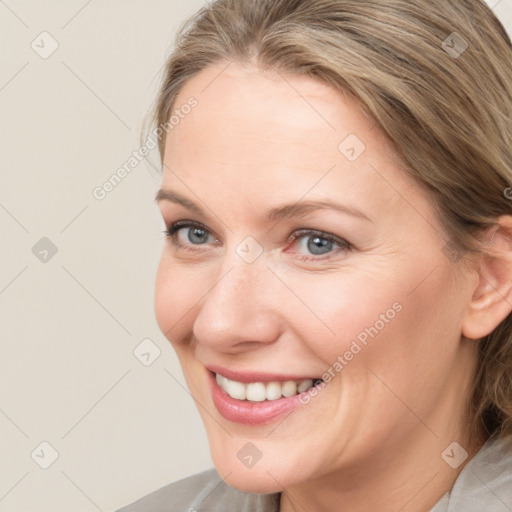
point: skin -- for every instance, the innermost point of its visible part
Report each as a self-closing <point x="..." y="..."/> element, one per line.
<point x="373" y="438"/>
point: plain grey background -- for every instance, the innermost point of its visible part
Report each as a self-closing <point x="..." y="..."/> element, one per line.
<point x="93" y="410"/>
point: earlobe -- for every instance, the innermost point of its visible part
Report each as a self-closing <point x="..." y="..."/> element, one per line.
<point x="491" y="302"/>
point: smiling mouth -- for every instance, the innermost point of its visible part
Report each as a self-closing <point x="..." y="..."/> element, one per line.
<point x="260" y="391"/>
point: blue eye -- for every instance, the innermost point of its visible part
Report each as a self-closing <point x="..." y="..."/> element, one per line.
<point x="320" y="245"/>
<point x="317" y="243"/>
<point x="197" y="234"/>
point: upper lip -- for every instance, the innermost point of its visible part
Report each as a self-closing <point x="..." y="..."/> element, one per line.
<point x="255" y="376"/>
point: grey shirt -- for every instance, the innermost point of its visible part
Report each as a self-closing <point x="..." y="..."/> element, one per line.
<point x="484" y="485"/>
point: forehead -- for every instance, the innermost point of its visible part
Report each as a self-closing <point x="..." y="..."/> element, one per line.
<point x="259" y="108"/>
<point x="261" y="135"/>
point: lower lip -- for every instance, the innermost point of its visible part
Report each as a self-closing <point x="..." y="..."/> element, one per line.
<point x="247" y="412"/>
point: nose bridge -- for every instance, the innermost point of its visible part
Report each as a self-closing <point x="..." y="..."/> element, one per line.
<point x="239" y="306"/>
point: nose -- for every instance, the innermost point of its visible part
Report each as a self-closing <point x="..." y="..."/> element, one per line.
<point x="240" y="311"/>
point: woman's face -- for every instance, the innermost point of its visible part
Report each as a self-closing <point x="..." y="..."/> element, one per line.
<point x="364" y="297"/>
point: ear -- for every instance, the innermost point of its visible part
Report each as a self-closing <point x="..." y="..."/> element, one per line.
<point x="491" y="302"/>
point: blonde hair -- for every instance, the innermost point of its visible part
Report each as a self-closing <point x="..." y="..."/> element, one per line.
<point x="436" y="75"/>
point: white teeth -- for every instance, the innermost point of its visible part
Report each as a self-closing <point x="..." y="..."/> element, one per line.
<point x="258" y="391"/>
<point x="273" y="390"/>
<point x="289" y="388"/>
<point x="304" y="385"/>
<point x="234" y="389"/>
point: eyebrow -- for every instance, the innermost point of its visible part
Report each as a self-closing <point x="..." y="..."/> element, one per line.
<point x="274" y="214"/>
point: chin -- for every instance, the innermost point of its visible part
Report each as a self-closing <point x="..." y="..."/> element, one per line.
<point x="251" y="480"/>
<point x="265" y="475"/>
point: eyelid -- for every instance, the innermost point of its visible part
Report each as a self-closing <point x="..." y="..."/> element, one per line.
<point x="176" y="226"/>
<point x="299" y="233"/>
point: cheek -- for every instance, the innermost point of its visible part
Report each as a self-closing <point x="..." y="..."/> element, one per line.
<point x="408" y="336"/>
<point x="343" y="309"/>
<point x="379" y="321"/>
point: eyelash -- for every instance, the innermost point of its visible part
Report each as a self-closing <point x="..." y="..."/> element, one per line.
<point x="173" y="229"/>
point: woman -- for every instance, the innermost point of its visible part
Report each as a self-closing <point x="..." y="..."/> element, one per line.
<point x="337" y="279"/>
